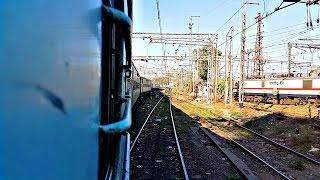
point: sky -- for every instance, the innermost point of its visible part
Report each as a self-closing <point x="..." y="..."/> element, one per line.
<point x="287" y="25"/>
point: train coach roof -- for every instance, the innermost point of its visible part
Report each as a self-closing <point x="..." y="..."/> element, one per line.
<point x="284" y="78"/>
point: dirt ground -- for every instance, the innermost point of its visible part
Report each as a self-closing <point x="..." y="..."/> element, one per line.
<point x="295" y="126"/>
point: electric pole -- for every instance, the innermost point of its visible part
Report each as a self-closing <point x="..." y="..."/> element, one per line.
<point x="258" y="59"/>
<point x="289" y="58"/>
<point x="190" y="53"/>
<point x="228" y="67"/>
<point x="249" y="51"/>
<point x="216" y="68"/>
<point x="242" y="56"/>
<point x="209" y="73"/>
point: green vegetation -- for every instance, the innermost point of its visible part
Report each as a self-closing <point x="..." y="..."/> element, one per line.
<point x="221" y="85"/>
<point x="297" y="165"/>
<point x="245" y="133"/>
<point x="181" y="126"/>
<point x="283" y="128"/>
<point x="304" y="149"/>
<point x="233" y="177"/>
<point x="235" y="114"/>
<point x="194" y="110"/>
<point x="204" y="53"/>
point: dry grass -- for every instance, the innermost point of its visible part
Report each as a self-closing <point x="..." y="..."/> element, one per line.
<point x="288" y="110"/>
<point x="284" y="129"/>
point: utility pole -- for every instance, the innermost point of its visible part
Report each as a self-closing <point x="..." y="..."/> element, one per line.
<point x="211" y="68"/>
<point x="197" y="65"/>
<point x="228" y="67"/>
<point x="216" y="68"/>
<point x="242" y="56"/>
<point x="209" y="74"/>
<point x="249" y="51"/>
<point x="190" y="52"/>
<point x="258" y="59"/>
<point x="180" y="80"/>
<point x="289" y="58"/>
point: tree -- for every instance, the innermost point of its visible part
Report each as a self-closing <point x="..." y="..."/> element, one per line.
<point x="204" y="55"/>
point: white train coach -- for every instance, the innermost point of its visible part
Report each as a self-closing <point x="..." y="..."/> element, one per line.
<point x="282" y="90"/>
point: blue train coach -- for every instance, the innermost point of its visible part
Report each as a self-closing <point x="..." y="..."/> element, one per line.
<point x="65" y="96"/>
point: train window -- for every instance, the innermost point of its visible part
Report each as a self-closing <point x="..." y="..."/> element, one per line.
<point x="307" y="83"/>
<point x="262" y="83"/>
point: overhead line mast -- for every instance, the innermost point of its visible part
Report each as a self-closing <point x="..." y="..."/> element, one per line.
<point x="293" y="2"/>
<point x="162" y="44"/>
<point x="258" y="58"/>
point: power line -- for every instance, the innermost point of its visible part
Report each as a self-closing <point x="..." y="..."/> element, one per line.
<point x="230" y="18"/>
<point x="264" y="17"/>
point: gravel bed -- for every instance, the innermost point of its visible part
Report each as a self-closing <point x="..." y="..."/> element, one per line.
<point x="155" y="155"/>
<point x="258" y="168"/>
<point x="288" y="163"/>
<point x="141" y="110"/>
<point x="203" y="159"/>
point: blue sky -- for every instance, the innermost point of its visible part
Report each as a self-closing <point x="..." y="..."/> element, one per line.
<point x="213" y="13"/>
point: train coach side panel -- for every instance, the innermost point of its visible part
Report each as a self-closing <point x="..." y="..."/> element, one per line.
<point x="50" y="83"/>
<point x="316" y="83"/>
<point x="253" y="84"/>
<point x="135" y="85"/>
<point x="146" y="85"/>
<point x="253" y="87"/>
<point x="292" y="83"/>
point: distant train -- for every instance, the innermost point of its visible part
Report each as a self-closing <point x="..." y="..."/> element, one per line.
<point x="140" y="85"/>
<point x="289" y="90"/>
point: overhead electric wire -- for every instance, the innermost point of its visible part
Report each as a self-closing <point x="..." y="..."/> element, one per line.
<point x="230" y="18"/>
<point x="253" y="37"/>
<point x="264" y="17"/>
<point x="219" y="5"/>
<point x="293" y="35"/>
<point x="275" y="35"/>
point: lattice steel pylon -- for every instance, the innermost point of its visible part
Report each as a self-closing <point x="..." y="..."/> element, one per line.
<point x="258" y="58"/>
<point x="242" y="57"/>
<point x="228" y="68"/>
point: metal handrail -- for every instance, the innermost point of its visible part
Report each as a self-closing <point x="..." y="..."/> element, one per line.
<point x="127" y="159"/>
<point x="117" y="16"/>
<point x="124" y="21"/>
<point x="122" y="125"/>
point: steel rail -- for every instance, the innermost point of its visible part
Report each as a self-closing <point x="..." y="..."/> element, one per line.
<point x="235" y="160"/>
<point x="258" y="158"/>
<point x="145" y="122"/>
<point x="186" y="176"/>
<point x="278" y="144"/>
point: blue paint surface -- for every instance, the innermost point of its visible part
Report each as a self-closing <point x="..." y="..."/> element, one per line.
<point x="49" y="95"/>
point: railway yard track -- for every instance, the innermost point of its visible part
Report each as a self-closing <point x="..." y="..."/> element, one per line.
<point x="203" y="153"/>
<point x="156" y="146"/>
<point x="284" y="161"/>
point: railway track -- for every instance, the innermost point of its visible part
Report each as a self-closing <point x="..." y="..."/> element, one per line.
<point x="156" y="146"/>
<point x="286" y="162"/>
